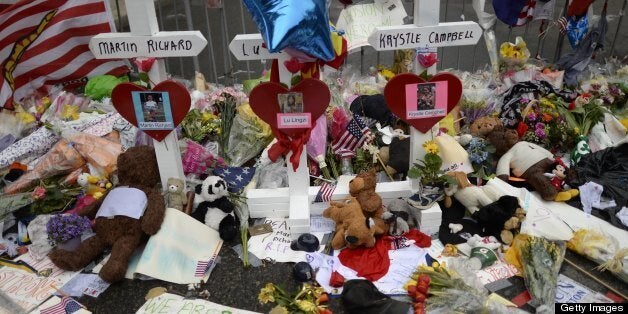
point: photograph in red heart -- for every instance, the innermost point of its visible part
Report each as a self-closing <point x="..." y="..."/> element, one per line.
<point x="395" y="95"/>
<point x="264" y="101"/>
<point x="180" y="102"/>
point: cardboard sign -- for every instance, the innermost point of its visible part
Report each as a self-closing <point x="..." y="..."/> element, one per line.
<point x="569" y="291"/>
<point x="359" y="21"/>
<point x="426" y="100"/>
<point x="170" y="303"/>
<point x="27" y="289"/>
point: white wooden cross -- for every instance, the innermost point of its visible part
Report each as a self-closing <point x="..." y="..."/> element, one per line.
<point x="145" y="40"/>
<point x="249" y="47"/>
<point x="426" y="32"/>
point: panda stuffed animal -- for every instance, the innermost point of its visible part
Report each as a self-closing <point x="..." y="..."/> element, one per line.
<point x="215" y="209"/>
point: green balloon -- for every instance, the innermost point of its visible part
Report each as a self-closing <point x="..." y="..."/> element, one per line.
<point x="99" y="87"/>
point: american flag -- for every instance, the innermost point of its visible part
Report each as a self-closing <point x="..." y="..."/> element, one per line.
<point x="527" y="12"/>
<point x="325" y="193"/>
<point x="45" y="42"/>
<point x="201" y="267"/>
<point x="66" y="306"/>
<point x="354" y="136"/>
<point x="236" y="177"/>
<point x="562" y="25"/>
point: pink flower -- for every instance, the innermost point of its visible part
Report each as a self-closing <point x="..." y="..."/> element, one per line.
<point x="427" y="59"/>
<point x="39" y="193"/>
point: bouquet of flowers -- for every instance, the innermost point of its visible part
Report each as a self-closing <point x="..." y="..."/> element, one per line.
<point x="542" y="124"/>
<point x="62" y="228"/>
<point x="225" y="101"/>
<point x="481" y="156"/>
<point x="308" y="300"/>
<point x="199" y="125"/>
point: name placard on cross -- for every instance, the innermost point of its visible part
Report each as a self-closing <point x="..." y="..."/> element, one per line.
<point x="145" y="40"/>
<point x="250" y="47"/>
<point x="426" y="32"/>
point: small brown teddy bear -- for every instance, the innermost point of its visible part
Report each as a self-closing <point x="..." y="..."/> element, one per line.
<point x="510" y="228"/>
<point x="129" y="212"/>
<point x="177" y="197"/>
<point x="352" y="227"/>
<point x="362" y="187"/>
<point x="494" y="131"/>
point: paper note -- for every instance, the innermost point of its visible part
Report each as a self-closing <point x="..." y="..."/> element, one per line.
<point x="173" y="304"/>
<point x="359" y="21"/>
<point x="27" y="289"/>
<point x="496" y="272"/>
<point x="569" y="291"/>
<point x="321" y="224"/>
<point x="89" y="284"/>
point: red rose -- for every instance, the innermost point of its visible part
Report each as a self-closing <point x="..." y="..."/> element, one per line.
<point x="522" y="128"/>
<point x="336" y="280"/>
<point x="572" y="105"/>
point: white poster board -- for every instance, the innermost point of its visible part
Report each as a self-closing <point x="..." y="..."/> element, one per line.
<point x="359" y="21"/>
<point x="174" y="304"/>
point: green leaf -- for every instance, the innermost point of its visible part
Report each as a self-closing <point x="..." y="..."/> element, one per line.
<point x="414" y="173"/>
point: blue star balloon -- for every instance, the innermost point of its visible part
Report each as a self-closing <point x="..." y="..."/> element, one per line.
<point x="298" y="24"/>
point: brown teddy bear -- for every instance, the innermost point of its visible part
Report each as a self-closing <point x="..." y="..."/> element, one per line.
<point x="362" y="187"/>
<point x="130" y="211"/>
<point x="494" y="131"/>
<point x="510" y="228"/>
<point x="353" y="229"/>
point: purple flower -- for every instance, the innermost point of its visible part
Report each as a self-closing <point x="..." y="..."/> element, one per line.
<point x="65" y="227"/>
<point x="539" y="125"/>
<point x="540" y="133"/>
<point x="532" y="116"/>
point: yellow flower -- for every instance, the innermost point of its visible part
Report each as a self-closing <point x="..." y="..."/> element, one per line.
<point x="206" y="116"/>
<point x="45" y="101"/>
<point x="70" y="112"/>
<point x="279" y="310"/>
<point x="306" y="306"/>
<point x="97" y="195"/>
<point x="267" y="294"/>
<point x="25" y="117"/>
<point x="431" y="147"/>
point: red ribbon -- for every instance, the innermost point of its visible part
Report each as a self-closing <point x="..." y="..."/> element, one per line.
<point x="286" y="144"/>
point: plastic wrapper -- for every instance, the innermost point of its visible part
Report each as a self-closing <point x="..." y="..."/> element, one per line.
<point x="62" y="158"/>
<point x="100" y="153"/>
<point x="248" y="137"/>
<point x="272" y="176"/>
<point x="66" y="106"/>
<point x="601" y="249"/>
<point x="463" y="301"/>
<point x="197" y="159"/>
<point x="317" y="145"/>
<point x="540" y="259"/>
<point x="514" y="54"/>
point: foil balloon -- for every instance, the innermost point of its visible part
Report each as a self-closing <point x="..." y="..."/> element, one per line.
<point x="301" y="25"/>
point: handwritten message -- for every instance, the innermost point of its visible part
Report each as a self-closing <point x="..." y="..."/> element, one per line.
<point x="359" y="21"/>
<point x="163" y="44"/>
<point x="294" y="120"/>
<point x="276" y="245"/>
<point x="250" y="47"/>
<point x="412" y="36"/>
<point x="169" y="303"/>
<point x="569" y="291"/>
<point x="29" y="290"/>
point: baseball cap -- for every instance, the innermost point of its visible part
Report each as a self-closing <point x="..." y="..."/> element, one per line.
<point x="306" y="242"/>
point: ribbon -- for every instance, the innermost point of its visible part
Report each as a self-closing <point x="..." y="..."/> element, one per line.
<point x="286" y="144"/>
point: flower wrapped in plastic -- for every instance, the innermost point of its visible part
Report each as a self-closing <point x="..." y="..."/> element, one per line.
<point x="317" y="145"/>
<point x="514" y="54"/>
<point x="249" y="135"/>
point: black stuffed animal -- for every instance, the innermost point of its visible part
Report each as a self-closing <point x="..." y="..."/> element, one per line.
<point x="493" y="216"/>
<point x="215" y="209"/>
<point x="374" y="107"/>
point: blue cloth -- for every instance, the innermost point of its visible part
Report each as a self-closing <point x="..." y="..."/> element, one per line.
<point x="508" y="11"/>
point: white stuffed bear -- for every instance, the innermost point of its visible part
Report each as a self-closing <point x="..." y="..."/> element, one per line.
<point x="215" y="209"/>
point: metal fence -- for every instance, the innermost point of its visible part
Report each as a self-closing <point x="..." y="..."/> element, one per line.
<point x="220" y="24"/>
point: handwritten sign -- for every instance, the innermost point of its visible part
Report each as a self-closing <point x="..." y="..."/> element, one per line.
<point x="569" y="291"/>
<point x="412" y="36"/>
<point x="169" y="303"/>
<point x="359" y="21"/>
<point x="250" y="47"/>
<point x="162" y="44"/>
<point x="276" y="245"/>
<point x="496" y="272"/>
<point x="27" y="289"/>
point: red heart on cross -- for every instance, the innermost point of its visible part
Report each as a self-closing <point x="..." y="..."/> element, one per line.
<point x="179" y="103"/>
<point x="395" y="95"/>
<point x="293" y="65"/>
<point x="265" y="104"/>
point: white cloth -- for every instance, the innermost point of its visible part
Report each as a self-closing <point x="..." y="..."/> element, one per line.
<point x="150" y="105"/>
<point x="521" y="157"/>
<point x="623" y="216"/>
<point x="590" y="194"/>
<point x="123" y="201"/>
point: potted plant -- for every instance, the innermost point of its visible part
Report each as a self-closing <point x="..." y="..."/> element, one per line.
<point x="431" y="178"/>
<point x="65" y="230"/>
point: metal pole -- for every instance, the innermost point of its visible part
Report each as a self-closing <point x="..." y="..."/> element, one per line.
<point x="188" y="17"/>
<point x="225" y="40"/>
<point x="176" y="23"/>
<point x="561" y="37"/>
<point x="161" y="26"/>
<point x="248" y="65"/>
<point x="210" y="47"/>
<point x="621" y="17"/>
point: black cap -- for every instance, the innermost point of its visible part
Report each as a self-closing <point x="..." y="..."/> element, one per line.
<point x="306" y="242"/>
<point x="361" y="296"/>
<point x="303" y="272"/>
